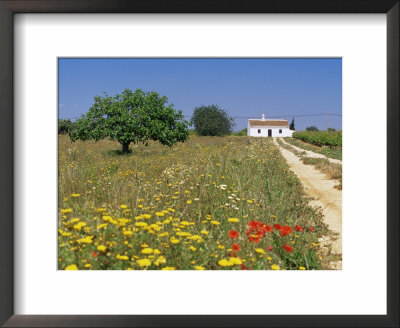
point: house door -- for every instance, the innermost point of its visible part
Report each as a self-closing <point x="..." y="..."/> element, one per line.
<point x="269" y="132"/>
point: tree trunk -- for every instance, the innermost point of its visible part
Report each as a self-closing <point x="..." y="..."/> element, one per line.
<point x="125" y="147"/>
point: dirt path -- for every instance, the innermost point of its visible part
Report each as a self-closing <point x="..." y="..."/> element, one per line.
<point x="312" y="154"/>
<point x="326" y="196"/>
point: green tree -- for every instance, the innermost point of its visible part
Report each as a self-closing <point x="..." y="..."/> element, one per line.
<point x="64" y="126"/>
<point x="331" y="130"/>
<point x="131" y="117"/>
<point x="291" y="127"/>
<point x="240" y="133"/>
<point x="212" y="121"/>
<point x="311" y="128"/>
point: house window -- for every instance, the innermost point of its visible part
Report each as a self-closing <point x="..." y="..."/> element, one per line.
<point x="280" y="130"/>
<point x="259" y="130"/>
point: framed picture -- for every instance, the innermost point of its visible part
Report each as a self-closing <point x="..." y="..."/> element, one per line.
<point x="44" y="57"/>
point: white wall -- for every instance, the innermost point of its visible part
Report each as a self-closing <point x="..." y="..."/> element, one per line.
<point x="253" y="131"/>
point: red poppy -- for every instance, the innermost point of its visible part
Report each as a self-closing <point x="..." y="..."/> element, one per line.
<point x="288" y="248"/>
<point x="243" y="267"/>
<point x="277" y="226"/>
<point x="94" y="254"/>
<point x="254" y="239"/>
<point x="253" y="224"/>
<point x="233" y="234"/>
<point x="269" y="248"/>
<point x="236" y="247"/>
<point x="232" y="254"/>
<point x="268" y="228"/>
<point x="286" y="230"/>
<point x="311" y="229"/>
<point x="299" y="228"/>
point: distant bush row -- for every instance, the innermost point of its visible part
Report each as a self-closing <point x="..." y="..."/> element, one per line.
<point x="320" y="138"/>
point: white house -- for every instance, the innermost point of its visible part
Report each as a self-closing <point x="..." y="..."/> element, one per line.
<point x="268" y="128"/>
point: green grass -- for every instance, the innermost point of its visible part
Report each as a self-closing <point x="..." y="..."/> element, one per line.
<point x="331" y="152"/>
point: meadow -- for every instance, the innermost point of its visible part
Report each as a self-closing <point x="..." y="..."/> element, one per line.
<point x="211" y="203"/>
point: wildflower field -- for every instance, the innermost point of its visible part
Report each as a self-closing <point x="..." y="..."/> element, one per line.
<point x="210" y="203"/>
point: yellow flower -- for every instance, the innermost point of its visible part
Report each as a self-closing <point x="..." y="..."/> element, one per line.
<point x="123" y="206"/>
<point x="87" y="265"/>
<point x="122" y="257"/>
<point x="86" y="240"/>
<point x="192" y="248"/>
<point x="235" y="260"/>
<point x="188" y="202"/>
<point x="168" y="268"/>
<point x="75" y="220"/>
<point x="204" y="232"/>
<point x="71" y="267"/>
<point x="160" y="214"/>
<point x="156" y="251"/>
<point x="221" y="247"/>
<point x="101" y="248"/>
<point x="146" y="216"/>
<point x="107" y="218"/>
<point x="128" y="233"/>
<point x="141" y="224"/>
<point x="79" y="226"/>
<point x="174" y="240"/>
<point x="75" y="195"/>
<point x="269" y="258"/>
<point x="215" y="222"/>
<point x="101" y="226"/>
<point x="183" y="234"/>
<point x="233" y="220"/>
<point x="225" y="263"/>
<point x="147" y="250"/>
<point x="199" y="267"/>
<point x="259" y="250"/>
<point x="161" y="260"/>
<point x="275" y="267"/>
<point x="302" y="268"/>
<point x="144" y="262"/>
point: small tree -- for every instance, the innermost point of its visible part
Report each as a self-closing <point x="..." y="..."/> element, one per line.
<point x="131" y="117"/>
<point x="291" y="127"/>
<point x="331" y="130"/>
<point x="240" y="133"/>
<point x="64" y="126"/>
<point x="212" y="121"/>
<point x="312" y="128"/>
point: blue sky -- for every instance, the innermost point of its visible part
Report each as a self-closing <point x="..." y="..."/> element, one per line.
<point x="245" y="87"/>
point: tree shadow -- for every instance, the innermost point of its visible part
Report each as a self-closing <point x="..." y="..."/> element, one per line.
<point x="118" y="152"/>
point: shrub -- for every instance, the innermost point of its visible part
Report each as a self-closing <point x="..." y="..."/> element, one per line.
<point x="212" y="121"/>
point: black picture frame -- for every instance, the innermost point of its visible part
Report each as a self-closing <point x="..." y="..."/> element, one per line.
<point x="10" y="7"/>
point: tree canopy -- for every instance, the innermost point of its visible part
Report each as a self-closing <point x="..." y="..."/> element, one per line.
<point x="311" y="128"/>
<point x="212" y="121"/>
<point x="131" y="117"/>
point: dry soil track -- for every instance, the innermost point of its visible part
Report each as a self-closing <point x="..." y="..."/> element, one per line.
<point x="324" y="194"/>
